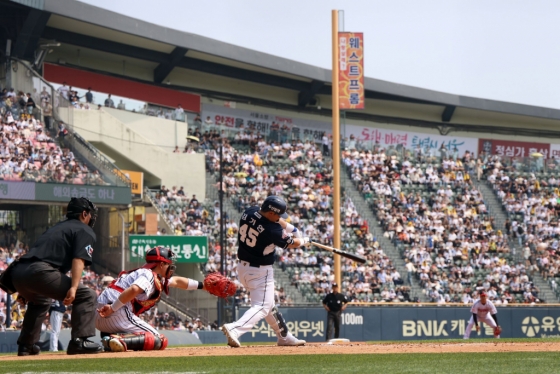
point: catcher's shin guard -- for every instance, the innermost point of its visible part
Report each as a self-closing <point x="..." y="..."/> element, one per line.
<point x="143" y="342"/>
<point x="282" y="326"/>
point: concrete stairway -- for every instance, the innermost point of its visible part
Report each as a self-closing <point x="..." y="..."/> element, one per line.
<point x="388" y="247"/>
<point x="496" y="210"/>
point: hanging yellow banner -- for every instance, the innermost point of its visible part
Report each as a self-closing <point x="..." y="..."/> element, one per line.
<point x="137" y="181"/>
<point x="351" y="70"/>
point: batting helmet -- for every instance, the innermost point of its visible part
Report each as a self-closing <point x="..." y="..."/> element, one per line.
<point x="77" y="205"/>
<point x="276" y="205"/>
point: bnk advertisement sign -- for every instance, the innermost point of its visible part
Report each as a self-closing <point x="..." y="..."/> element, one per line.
<point x="411" y="323"/>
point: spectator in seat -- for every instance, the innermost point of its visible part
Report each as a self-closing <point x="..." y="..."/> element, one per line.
<point x="109" y="103"/>
<point x="179" y="113"/>
<point x="181" y="193"/>
<point x="47" y="113"/>
<point x="89" y="96"/>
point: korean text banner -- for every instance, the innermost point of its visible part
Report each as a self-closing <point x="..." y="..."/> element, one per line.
<point x="17" y="190"/>
<point x="430" y="143"/>
<point x="510" y="148"/>
<point x="351" y="70"/>
<point x="267" y="124"/>
<point x="187" y="248"/>
<point x="110" y="195"/>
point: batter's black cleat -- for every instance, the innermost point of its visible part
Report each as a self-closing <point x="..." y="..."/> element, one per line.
<point x="28" y="350"/>
<point x="81" y="346"/>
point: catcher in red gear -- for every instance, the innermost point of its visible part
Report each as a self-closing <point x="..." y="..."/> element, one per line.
<point x="137" y="291"/>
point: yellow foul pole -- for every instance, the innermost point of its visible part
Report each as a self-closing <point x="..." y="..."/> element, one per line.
<point x="336" y="146"/>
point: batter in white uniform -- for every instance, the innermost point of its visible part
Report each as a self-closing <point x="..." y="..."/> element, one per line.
<point x="133" y="293"/>
<point x="260" y="231"/>
<point x="483" y="310"/>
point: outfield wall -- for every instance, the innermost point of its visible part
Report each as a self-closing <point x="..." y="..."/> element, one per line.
<point x="410" y="323"/>
<point x="365" y="324"/>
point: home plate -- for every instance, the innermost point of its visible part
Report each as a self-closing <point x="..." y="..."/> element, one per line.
<point x="339" y="341"/>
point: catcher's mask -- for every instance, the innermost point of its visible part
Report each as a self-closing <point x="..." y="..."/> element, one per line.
<point x="78" y="205"/>
<point x="162" y="254"/>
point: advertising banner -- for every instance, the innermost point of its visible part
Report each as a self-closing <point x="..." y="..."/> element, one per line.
<point x="408" y="139"/>
<point x="510" y="148"/>
<point x="351" y="70"/>
<point x="111" y="195"/>
<point x="554" y="151"/>
<point x="188" y="249"/>
<point x="136" y="181"/>
<point x="265" y="123"/>
<point x="407" y="323"/>
<point x="17" y="190"/>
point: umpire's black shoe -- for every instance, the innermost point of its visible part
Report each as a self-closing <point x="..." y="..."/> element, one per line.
<point x="28" y="350"/>
<point x="80" y="346"/>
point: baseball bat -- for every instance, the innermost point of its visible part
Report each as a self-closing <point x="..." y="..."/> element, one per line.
<point x="351" y="256"/>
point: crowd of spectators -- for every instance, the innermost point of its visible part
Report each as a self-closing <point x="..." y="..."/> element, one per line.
<point x="28" y="151"/>
<point x="531" y="200"/>
<point x="301" y="172"/>
<point x="430" y="208"/>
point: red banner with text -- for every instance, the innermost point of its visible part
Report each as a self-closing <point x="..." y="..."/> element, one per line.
<point x="512" y="148"/>
<point x="351" y="70"/>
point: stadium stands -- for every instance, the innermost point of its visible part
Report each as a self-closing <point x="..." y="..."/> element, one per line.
<point x="256" y="167"/>
<point x="432" y="210"/>
<point x="28" y="151"/>
<point x="529" y="197"/>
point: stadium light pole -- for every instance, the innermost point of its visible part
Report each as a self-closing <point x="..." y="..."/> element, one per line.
<point x="336" y="146"/>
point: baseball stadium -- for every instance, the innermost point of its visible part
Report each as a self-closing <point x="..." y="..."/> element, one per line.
<point x="212" y="208"/>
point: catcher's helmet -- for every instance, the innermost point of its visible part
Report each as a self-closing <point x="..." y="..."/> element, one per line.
<point x="77" y="205"/>
<point x="275" y="204"/>
<point x="160" y="254"/>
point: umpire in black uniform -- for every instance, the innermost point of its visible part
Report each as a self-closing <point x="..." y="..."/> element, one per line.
<point x="334" y="303"/>
<point x="39" y="276"/>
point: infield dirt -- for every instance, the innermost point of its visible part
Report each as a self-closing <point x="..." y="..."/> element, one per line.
<point x="314" y="348"/>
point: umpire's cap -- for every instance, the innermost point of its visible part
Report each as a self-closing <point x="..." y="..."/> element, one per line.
<point x="77" y="205"/>
<point x="276" y="205"/>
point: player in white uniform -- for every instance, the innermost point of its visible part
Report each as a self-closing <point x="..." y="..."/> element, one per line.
<point x="483" y="310"/>
<point x="133" y="293"/>
<point x="261" y="230"/>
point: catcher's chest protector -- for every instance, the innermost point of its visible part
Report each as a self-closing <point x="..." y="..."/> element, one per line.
<point x="140" y="306"/>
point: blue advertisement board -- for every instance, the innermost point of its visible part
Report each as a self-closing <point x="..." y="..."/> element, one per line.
<point x="410" y="323"/>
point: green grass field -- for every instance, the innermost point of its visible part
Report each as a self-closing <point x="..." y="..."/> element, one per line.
<point x="495" y="363"/>
<point x="517" y="362"/>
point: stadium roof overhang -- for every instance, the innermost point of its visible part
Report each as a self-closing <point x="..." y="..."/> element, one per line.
<point x="93" y="31"/>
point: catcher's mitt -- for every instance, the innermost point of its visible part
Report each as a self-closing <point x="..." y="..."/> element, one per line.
<point x="497" y="331"/>
<point x="218" y="285"/>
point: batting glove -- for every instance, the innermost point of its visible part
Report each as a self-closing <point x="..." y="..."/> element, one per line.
<point x="306" y="241"/>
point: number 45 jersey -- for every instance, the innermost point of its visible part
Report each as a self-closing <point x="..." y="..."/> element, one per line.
<point x="258" y="238"/>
